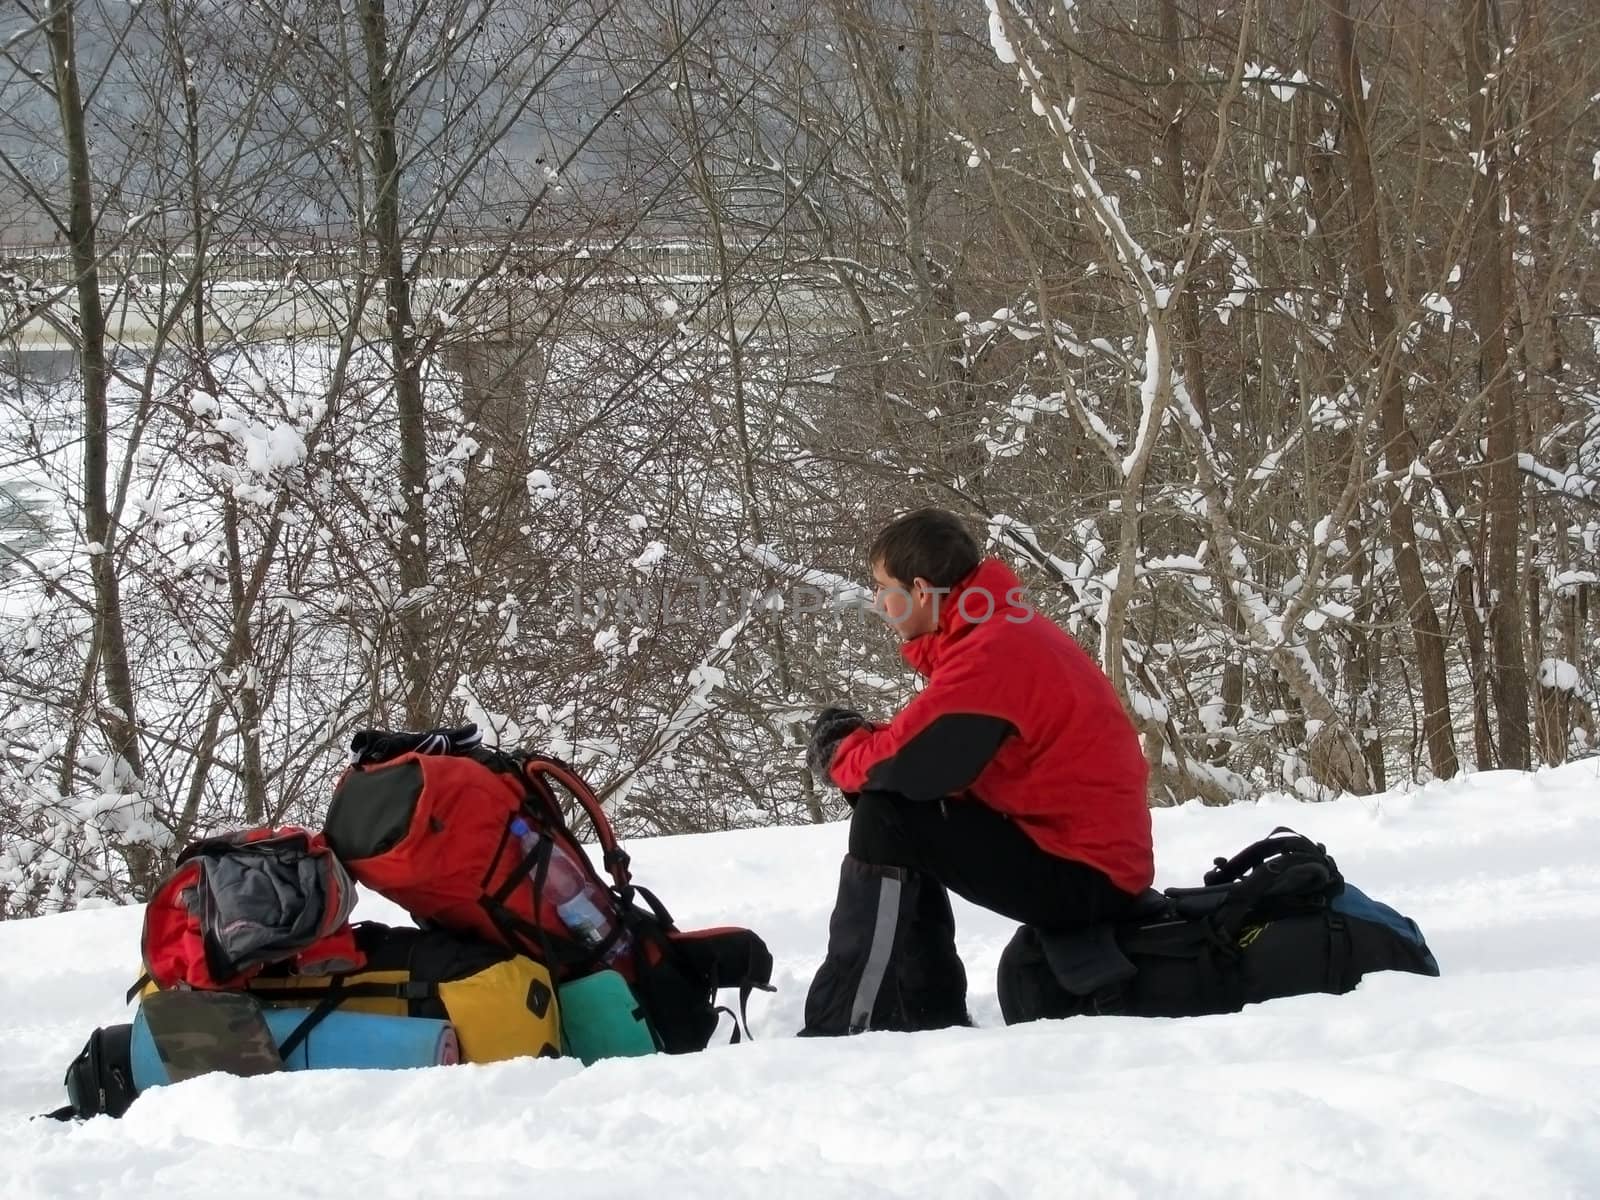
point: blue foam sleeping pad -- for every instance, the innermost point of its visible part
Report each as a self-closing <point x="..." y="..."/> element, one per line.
<point x="340" y="1040"/>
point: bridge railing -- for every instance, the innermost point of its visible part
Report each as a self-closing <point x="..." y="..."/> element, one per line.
<point x="327" y="263"/>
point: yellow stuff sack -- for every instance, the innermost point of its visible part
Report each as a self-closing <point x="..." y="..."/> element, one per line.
<point x="501" y="1004"/>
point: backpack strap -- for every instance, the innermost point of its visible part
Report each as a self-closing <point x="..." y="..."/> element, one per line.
<point x="335" y="994"/>
<point x="531" y="937"/>
<point x="410" y="990"/>
<point x="1340" y="951"/>
<point x="139" y="985"/>
<point x="744" y="1009"/>
<point x="541" y="767"/>
<point x="1088" y="962"/>
<point x="741" y="1019"/>
<point x="1227" y="870"/>
<point x="656" y="907"/>
<point x="532" y="867"/>
<point x="1307" y="878"/>
<point x="335" y="997"/>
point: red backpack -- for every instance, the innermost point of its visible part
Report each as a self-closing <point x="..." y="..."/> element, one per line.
<point x="237" y="902"/>
<point x="474" y="840"/>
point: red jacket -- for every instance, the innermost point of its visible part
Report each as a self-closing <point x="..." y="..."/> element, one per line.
<point x="1016" y="715"/>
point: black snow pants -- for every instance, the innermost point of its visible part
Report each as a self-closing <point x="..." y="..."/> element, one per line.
<point x="892" y="961"/>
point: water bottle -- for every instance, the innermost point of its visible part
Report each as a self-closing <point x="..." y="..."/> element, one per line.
<point x="579" y="901"/>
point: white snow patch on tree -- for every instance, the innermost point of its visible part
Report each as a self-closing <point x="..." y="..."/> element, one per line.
<point x="1559" y="675"/>
<point x="540" y="486"/>
<point x="652" y="554"/>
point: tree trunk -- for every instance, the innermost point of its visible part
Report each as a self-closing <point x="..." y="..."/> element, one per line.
<point x="1467" y="598"/>
<point x="1360" y="673"/>
<point x="1194" y="363"/>
<point x="248" y="710"/>
<point x="1172" y="109"/>
<point x="1509" y="677"/>
<point x="1397" y="435"/>
<point x="417" y="664"/>
<point x="120" y="720"/>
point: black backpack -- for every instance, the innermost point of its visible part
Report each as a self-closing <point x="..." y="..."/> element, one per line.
<point x="1277" y="919"/>
<point x="100" y="1079"/>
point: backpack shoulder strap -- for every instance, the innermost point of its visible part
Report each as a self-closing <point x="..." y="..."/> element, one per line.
<point x="541" y="768"/>
<point x="1305" y="879"/>
<point x="1281" y="840"/>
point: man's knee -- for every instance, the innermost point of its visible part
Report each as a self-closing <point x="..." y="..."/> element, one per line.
<point x="877" y="830"/>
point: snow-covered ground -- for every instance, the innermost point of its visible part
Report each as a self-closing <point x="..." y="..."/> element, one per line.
<point x="1480" y="1083"/>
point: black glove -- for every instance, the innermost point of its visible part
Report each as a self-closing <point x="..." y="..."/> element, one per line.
<point x="829" y="729"/>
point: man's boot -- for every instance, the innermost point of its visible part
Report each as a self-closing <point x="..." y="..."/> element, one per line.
<point x="891" y="961"/>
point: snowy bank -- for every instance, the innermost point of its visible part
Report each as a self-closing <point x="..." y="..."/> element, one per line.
<point x="1480" y="1083"/>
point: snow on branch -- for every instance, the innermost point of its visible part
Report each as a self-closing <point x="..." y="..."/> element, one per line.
<point x="702" y="679"/>
<point x="1077" y="156"/>
<point x="841" y="592"/>
<point x="1161" y="383"/>
<point x="1215" y="783"/>
<point x="1079" y="578"/>
<point x="1574" y="484"/>
<point x="1105" y="210"/>
<point x="1557" y="674"/>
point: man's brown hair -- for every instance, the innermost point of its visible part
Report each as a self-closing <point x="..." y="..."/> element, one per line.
<point x="929" y="543"/>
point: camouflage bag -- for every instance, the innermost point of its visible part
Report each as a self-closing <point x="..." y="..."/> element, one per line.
<point x="195" y="1033"/>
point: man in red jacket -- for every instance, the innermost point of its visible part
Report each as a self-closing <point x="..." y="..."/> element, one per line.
<point x="1014" y="777"/>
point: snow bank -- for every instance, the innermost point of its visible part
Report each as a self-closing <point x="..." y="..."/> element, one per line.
<point x="1477" y="1084"/>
